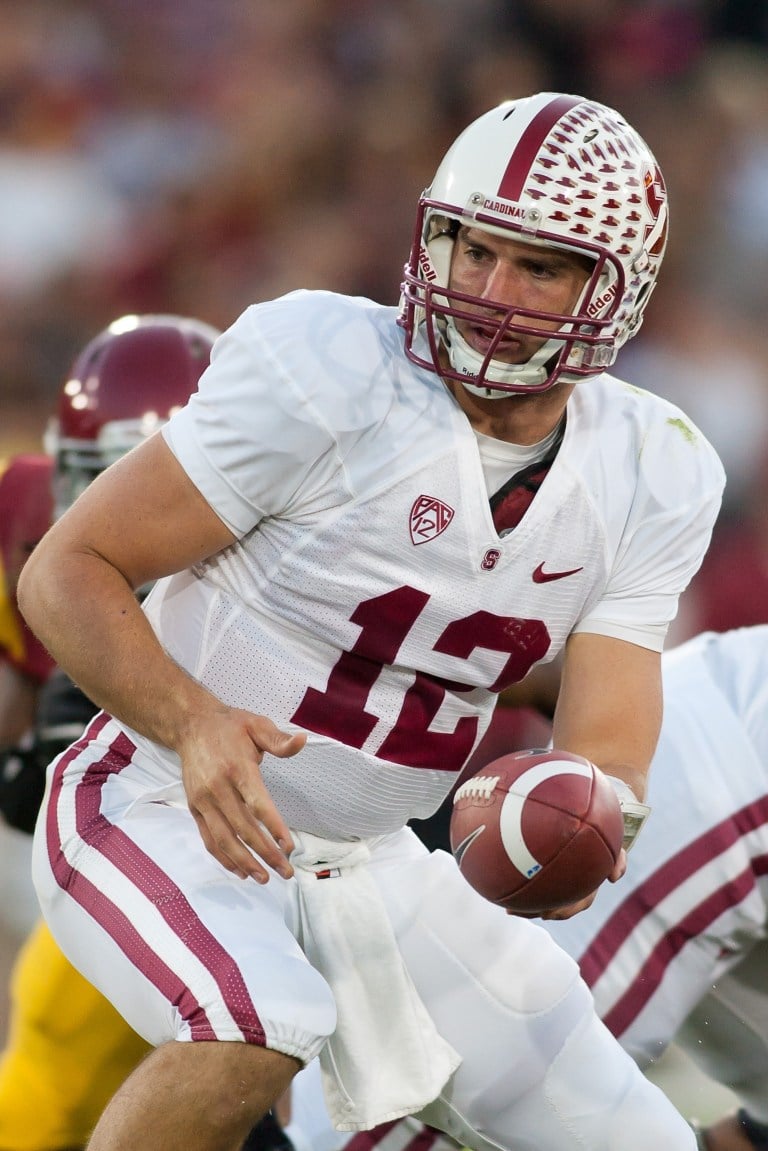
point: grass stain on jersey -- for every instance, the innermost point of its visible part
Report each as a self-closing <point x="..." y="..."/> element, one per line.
<point x="685" y="428"/>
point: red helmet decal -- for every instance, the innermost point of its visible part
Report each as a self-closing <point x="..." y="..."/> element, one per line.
<point x="528" y="148"/>
<point x="656" y="199"/>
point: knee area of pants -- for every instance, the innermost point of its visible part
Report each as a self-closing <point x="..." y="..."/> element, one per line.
<point x="296" y="1018"/>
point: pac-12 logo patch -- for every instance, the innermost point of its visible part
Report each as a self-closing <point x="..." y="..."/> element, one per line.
<point x="429" y="517"/>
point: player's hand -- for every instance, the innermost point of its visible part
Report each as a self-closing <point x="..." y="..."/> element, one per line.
<point x="567" y="912"/>
<point x="574" y="908"/>
<point x="620" y="868"/>
<point x="220" y="756"/>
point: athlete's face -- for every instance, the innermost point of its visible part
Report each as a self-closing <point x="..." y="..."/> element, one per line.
<point x="512" y="273"/>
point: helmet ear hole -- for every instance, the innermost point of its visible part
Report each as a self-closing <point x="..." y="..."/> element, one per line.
<point x="643" y="294"/>
<point x="437" y="224"/>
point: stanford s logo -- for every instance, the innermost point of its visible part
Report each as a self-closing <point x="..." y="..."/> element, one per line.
<point x="429" y="518"/>
<point x="656" y="198"/>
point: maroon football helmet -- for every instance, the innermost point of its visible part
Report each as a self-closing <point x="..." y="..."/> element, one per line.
<point x="122" y="387"/>
<point x="25" y="512"/>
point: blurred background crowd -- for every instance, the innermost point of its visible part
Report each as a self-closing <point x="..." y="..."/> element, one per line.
<point x="196" y="157"/>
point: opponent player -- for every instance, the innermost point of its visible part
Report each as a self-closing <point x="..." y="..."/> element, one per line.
<point x="25" y="514"/>
<point x="345" y="594"/>
<point x="68" y="1049"/>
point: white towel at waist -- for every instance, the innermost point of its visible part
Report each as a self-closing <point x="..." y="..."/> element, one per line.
<point x="386" y="1058"/>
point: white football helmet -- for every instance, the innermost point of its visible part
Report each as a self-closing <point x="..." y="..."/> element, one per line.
<point x="550" y="169"/>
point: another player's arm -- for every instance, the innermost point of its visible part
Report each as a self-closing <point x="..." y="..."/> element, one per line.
<point x="539" y="690"/>
<point x="18" y="697"/>
<point x="140" y="520"/>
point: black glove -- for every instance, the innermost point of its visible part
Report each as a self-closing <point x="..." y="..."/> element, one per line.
<point x="62" y="713"/>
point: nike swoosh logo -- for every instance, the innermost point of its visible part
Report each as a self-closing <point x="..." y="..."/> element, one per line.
<point x="460" y="851"/>
<point x="540" y="576"/>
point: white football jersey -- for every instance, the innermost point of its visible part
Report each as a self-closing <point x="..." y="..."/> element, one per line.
<point x="694" y="900"/>
<point x="369" y="599"/>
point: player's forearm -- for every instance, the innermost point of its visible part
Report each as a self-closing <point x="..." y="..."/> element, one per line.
<point x="610" y="706"/>
<point x="616" y="748"/>
<point x="88" y="617"/>
<point x="18" y="695"/>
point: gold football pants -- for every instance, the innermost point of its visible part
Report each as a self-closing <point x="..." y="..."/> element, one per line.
<point x="67" y="1052"/>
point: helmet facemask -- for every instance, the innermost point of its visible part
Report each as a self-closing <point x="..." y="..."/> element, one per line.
<point x="575" y="346"/>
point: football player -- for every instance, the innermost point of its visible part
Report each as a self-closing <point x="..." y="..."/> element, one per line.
<point x="25" y="514"/>
<point x="677" y="950"/>
<point x="366" y="523"/>
<point x="67" y="1048"/>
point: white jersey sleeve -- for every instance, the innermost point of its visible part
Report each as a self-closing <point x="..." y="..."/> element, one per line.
<point x="251" y="438"/>
<point x="660" y="544"/>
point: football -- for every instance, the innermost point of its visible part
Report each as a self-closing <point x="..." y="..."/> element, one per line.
<point x="536" y="830"/>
